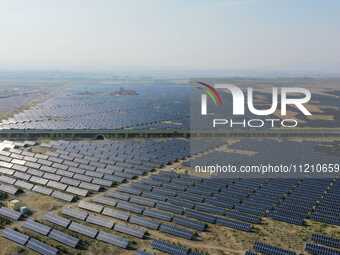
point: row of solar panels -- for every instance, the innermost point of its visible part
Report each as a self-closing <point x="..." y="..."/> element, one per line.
<point x="89" y="231"/>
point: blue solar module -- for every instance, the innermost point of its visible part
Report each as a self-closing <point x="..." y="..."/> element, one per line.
<point x="189" y="223"/>
<point x="64" y="238"/>
<point x="175" y="231"/>
<point x="75" y="213"/>
<point x="55" y="219"/>
<point x="326" y="240"/>
<point x="200" y="216"/>
<point x="37" y="227"/>
<point x="145" y="222"/>
<point x="139" y="233"/>
<point x="169" y="248"/>
<point x="317" y="249"/>
<point x="114" y="240"/>
<point x="15" y="236"/>
<point x="83" y="230"/>
<point x="41" y="247"/>
<point x="234" y="224"/>
<point x="270" y="250"/>
<point x="10" y="214"/>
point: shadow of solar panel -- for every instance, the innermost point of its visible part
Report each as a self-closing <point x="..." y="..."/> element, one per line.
<point x="175" y="231"/>
<point x="200" y="216"/>
<point x="326" y="240"/>
<point x="189" y="223"/>
<point x="142" y="221"/>
<point x="91" y="206"/>
<point x="83" y="230"/>
<point x="269" y="250"/>
<point x="130" y="207"/>
<point x="10" y="214"/>
<point x="158" y="214"/>
<point x="75" y="213"/>
<point x="100" y="221"/>
<point x="64" y="238"/>
<point x="57" y="220"/>
<point x="114" y="240"/>
<point x="15" y="236"/>
<point x="139" y="233"/>
<point x="41" y="247"/>
<point x="169" y="248"/>
<point x="250" y="253"/>
<point x="142" y="253"/>
<point x="121" y="215"/>
<point x="37" y="227"/>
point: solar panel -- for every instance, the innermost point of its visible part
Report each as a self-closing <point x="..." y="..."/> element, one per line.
<point x="77" y="191"/>
<point x="173" y="230"/>
<point x="114" y="240"/>
<point x="105" y="201"/>
<point x="100" y="221"/>
<point x="24" y="185"/>
<point x="64" y="238"/>
<point x="62" y="196"/>
<point x="10" y="214"/>
<point x="158" y="214"/>
<point x="326" y="240"/>
<point x="116" y="214"/>
<point x="41" y="247"/>
<point x="170" y="207"/>
<point x="200" y="216"/>
<point x="83" y="230"/>
<point x="15" y="236"/>
<point x="91" y="206"/>
<point x="268" y="249"/>
<point x="55" y="219"/>
<point x="234" y="224"/>
<point x="169" y="248"/>
<point x="37" y="227"/>
<point x="142" y="201"/>
<point x="118" y="195"/>
<point x="42" y="190"/>
<point x="145" y="222"/>
<point x="130" y="207"/>
<point x="12" y="190"/>
<point x="189" y="223"/>
<point x="139" y="233"/>
<point x="75" y="213"/>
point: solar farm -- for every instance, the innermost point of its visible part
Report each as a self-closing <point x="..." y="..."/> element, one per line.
<point x="138" y="196"/>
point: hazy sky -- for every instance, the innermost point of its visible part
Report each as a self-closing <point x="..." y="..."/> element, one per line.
<point x="178" y="34"/>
